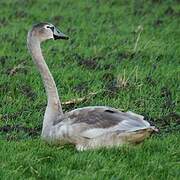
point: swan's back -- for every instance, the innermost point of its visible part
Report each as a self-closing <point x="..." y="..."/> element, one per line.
<point x="106" y="117"/>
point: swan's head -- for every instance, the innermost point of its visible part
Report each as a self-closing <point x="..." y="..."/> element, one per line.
<point x="45" y="31"/>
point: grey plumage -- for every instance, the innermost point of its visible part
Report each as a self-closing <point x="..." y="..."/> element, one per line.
<point x="102" y="117"/>
<point x="99" y="121"/>
<point x="89" y="127"/>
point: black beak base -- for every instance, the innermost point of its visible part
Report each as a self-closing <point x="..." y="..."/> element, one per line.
<point x="60" y="37"/>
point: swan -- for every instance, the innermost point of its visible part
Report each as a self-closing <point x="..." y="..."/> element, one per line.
<point x="89" y="127"/>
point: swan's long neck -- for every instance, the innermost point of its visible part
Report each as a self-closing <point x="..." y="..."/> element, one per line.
<point x="53" y="106"/>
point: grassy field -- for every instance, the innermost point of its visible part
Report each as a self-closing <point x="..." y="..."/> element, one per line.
<point x="127" y="52"/>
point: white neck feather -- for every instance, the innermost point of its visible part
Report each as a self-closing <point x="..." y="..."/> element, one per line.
<point x="53" y="108"/>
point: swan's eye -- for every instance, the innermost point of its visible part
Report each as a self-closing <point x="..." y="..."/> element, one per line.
<point x="50" y="27"/>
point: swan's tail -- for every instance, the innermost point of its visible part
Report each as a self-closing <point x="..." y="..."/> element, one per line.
<point x="153" y="128"/>
<point x="150" y="129"/>
<point x="139" y="134"/>
<point x="141" y="124"/>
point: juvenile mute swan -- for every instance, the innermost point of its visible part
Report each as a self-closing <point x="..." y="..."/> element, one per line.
<point x="89" y="127"/>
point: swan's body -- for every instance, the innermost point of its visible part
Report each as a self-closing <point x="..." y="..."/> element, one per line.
<point x="89" y="127"/>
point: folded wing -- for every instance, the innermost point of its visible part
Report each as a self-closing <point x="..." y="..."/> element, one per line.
<point x="91" y="122"/>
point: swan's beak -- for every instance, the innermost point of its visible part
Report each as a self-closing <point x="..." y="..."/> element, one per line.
<point x="59" y="35"/>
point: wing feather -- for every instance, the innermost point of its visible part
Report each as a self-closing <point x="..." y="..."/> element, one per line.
<point x="94" y="121"/>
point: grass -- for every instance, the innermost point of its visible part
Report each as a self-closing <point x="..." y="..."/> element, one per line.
<point x="127" y="51"/>
<point x="33" y="159"/>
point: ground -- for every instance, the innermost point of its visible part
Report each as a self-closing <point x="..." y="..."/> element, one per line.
<point x="125" y="52"/>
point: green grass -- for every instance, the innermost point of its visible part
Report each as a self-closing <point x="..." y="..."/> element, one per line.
<point x="33" y="159"/>
<point x="98" y="55"/>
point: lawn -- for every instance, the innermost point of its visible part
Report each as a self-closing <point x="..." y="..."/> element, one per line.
<point x="125" y="52"/>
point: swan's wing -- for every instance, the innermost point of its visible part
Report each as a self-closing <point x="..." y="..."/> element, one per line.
<point x="94" y="121"/>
